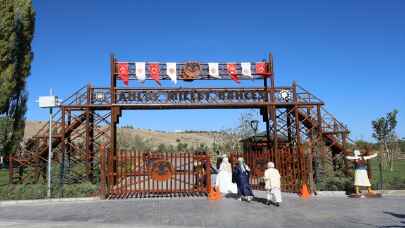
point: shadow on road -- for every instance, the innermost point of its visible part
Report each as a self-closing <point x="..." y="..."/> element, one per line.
<point x="396" y="215"/>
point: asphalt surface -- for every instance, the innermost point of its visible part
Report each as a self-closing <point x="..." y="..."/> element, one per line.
<point x="199" y="212"/>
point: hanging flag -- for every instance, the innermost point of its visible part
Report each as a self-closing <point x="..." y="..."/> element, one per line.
<point x="233" y="72"/>
<point x="213" y="70"/>
<point x="261" y="69"/>
<point x="123" y="72"/>
<point x="140" y="71"/>
<point x="246" y="69"/>
<point x="154" y="71"/>
<point x="171" y="71"/>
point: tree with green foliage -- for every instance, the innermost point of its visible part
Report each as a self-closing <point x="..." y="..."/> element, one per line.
<point x="384" y="132"/>
<point x="17" y="19"/>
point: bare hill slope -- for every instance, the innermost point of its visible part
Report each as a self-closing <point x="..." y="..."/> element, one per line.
<point x="155" y="137"/>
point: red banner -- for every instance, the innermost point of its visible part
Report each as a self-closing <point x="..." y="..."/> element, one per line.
<point x="261" y="69"/>
<point x="154" y="71"/>
<point x="233" y="72"/>
<point x="123" y="72"/>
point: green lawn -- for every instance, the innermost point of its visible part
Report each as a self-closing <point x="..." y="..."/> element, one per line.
<point x="3" y="177"/>
<point x="392" y="180"/>
<point x="38" y="191"/>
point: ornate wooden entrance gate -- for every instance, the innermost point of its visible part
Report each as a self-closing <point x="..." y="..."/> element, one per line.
<point x="89" y="119"/>
<point x="140" y="174"/>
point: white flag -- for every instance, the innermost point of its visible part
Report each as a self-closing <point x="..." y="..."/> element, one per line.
<point x="140" y="71"/>
<point x="213" y="70"/>
<point x="246" y="69"/>
<point x="171" y="72"/>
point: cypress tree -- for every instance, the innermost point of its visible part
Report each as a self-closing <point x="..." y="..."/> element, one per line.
<point x="17" y="18"/>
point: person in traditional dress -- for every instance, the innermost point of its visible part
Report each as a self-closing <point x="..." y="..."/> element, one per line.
<point x="360" y="174"/>
<point x="272" y="184"/>
<point x="224" y="178"/>
<point x="241" y="177"/>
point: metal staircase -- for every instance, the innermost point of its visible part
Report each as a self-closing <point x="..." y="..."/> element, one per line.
<point x="69" y="130"/>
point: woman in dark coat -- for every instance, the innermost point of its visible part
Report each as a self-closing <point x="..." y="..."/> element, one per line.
<point x="241" y="176"/>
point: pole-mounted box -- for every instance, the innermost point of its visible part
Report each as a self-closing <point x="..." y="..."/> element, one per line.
<point x="48" y="101"/>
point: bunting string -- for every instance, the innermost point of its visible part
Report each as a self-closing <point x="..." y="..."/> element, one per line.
<point x="142" y="71"/>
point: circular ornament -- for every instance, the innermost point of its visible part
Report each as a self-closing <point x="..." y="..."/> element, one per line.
<point x="191" y="70"/>
<point x="161" y="170"/>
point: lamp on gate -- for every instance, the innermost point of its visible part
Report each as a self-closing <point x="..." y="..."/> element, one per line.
<point x="285" y="95"/>
<point x="99" y="96"/>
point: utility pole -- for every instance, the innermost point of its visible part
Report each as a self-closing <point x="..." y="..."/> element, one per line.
<point x="49" y="102"/>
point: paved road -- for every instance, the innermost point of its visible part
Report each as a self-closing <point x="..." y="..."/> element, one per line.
<point x="199" y="212"/>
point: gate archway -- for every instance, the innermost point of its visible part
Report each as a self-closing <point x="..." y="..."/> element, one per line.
<point x="90" y="117"/>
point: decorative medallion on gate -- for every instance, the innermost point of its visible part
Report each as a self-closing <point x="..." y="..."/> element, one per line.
<point x="161" y="170"/>
<point x="191" y="70"/>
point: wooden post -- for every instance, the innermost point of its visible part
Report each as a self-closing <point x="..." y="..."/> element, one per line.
<point x="208" y="173"/>
<point x="266" y="114"/>
<point x="273" y="110"/>
<point x="114" y="116"/>
<point x="68" y="147"/>
<point x="89" y="136"/>
<point x="320" y="150"/>
<point x="309" y="160"/>
<point x="102" y="172"/>
<point x="298" y="135"/>
<point x="62" y="159"/>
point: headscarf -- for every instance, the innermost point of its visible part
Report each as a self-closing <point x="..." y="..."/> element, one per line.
<point x="270" y="165"/>
<point x="225" y="165"/>
<point x="243" y="166"/>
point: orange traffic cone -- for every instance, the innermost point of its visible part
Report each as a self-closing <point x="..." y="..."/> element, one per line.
<point x="304" y="192"/>
<point x="214" y="195"/>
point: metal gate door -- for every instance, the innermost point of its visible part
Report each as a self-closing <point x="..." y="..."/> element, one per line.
<point x="137" y="174"/>
<point x="291" y="164"/>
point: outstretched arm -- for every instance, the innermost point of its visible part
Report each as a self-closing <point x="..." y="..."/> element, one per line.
<point x="370" y="156"/>
<point x="350" y="157"/>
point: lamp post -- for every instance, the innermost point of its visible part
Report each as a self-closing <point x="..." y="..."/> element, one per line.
<point x="49" y="102"/>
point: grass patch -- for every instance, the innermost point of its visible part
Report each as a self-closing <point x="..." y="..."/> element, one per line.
<point x="394" y="180"/>
<point x="39" y="191"/>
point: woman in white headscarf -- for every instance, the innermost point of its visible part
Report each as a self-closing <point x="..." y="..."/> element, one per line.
<point x="224" y="178"/>
<point x="272" y="184"/>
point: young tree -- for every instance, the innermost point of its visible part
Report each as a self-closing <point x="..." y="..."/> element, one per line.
<point x="244" y="129"/>
<point x="16" y="32"/>
<point x="384" y="132"/>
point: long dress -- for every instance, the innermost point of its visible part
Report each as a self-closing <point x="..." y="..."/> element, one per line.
<point x="224" y="179"/>
<point x="273" y="185"/>
<point x="241" y="177"/>
<point x="360" y="174"/>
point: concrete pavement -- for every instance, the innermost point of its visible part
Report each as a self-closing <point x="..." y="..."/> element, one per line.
<point x="199" y="212"/>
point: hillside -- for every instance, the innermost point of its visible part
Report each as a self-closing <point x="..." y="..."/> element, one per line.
<point x="154" y="137"/>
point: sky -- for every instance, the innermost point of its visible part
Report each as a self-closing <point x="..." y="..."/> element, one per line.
<point x="351" y="54"/>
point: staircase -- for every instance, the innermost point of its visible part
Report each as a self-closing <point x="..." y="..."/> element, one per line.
<point x="29" y="162"/>
<point x="334" y="134"/>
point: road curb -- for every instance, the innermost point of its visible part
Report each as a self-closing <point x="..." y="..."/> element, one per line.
<point x="392" y="192"/>
<point x="44" y="201"/>
<point x="331" y="194"/>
